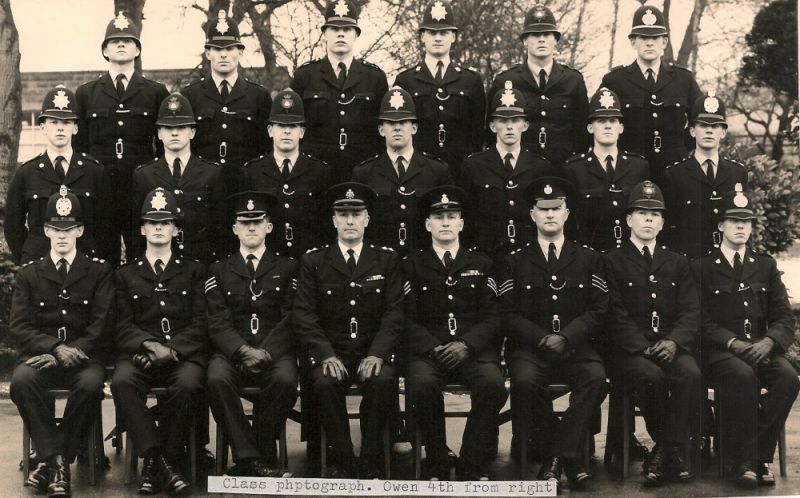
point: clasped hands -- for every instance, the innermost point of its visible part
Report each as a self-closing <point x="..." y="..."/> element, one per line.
<point x="754" y="353"/>
<point x="66" y="356"/>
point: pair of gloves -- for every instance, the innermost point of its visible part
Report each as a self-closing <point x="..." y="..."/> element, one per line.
<point x="62" y="355"/>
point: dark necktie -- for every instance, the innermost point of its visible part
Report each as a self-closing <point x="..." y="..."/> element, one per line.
<point x="439" y="71"/>
<point x="62" y="269"/>
<point x="120" y="85"/>
<point x="351" y="260"/>
<point x="610" y="167"/>
<point x="401" y="167"/>
<point x="176" y="170"/>
<point x="448" y="260"/>
<point x="507" y="164"/>
<point x="158" y="267"/>
<point x="342" y="74"/>
<point x="60" y="171"/>
<point x="542" y="79"/>
<point x="285" y="168"/>
<point x="224" y="91"/>
<point x="651" y="79"/>
<point x="251" y="265"/>
<point x="737" y="265"/>
<point x="552" y="258"/>
<point x="709" y="170"/>
<point x="648" y="258"/>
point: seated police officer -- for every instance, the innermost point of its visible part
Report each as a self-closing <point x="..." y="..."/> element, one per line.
<point x="747" y="325"/>
<point x="554" y="299"/>
<point x="348" y="314"/>
<point x="58" y="318"/>
<point x="249" y="298"/>
<point x="653" y="330"/>
<point x="160" y="341"/>
<point x="452" y="326"/>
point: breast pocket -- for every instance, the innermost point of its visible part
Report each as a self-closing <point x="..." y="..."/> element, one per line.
<point x="365" y="104"/>
<point x="142" y="123"/>
<point x="196" y="212"/>
<point x="36" y="201"/>
<point x="561" y="110"/>
<point x="331" y="299"/>
<point x="98" y="122"/>
<point x="318" y="106"/>
<point x="141" y="299"/>
<point x="675" y="110"/>
<point x="206" y="131"/>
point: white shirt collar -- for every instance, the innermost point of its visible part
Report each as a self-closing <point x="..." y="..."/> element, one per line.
<point x="640" y="247"/>
<point x="152" y="259"/>
<point x="67" y="155"/>
<point x="729" y="253"/>
<point x="356" y="250"/>
<point x="292" y="159"/>
<point x="170" y="158"/>
<point x="701" y="158"/>
<point x="514" y="153"/>
<point x="431" y="62"/>
<point x="69" y="257"/>
<point x="535" y="69"/>
<point x="407" y="155"/>
<point x="441" y="250"/>
<point x="128" y="75"/>
<point x="231" y="79"/>
<point x="545" y="245"/>
<point x="656" y="68"/>
<point x="335" y="65"/>
<point x="258" y="253"/>
<point x="601" y="156"/>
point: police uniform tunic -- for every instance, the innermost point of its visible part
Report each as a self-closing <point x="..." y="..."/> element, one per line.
<point x="655" y="118"/>
<point x="571" y="299"/>
<point x="395" y="219"/>
<point x="694" y="203"/>
<point x="341" y="123"/>
<point x="601" y="203"/>
<point x="450" y="113"/>
<point x="46" y="312"/>
<point x="557" y="114"/>
<point x="300" y="211"/>
<point x="202" y="227"/>
<point x="34" y="182"/>
<point x="750" y="307"/>
<point x="254" y="312"/>
<point x="170" y="310"/>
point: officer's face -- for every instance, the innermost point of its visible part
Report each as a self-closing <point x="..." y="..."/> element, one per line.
<point x="224" y="61"/>
<point x="176" y="138"/>
<point x="540" y="45"/>
<point x="252" y="233"/>
<point x="606" y="131"/>
<point x="437" y="43"/>
<point x="444" y="226"/>
<point x="649" y="48"/>
<point x="397" y="133"/>
<point x="708" y="137"/>
<point x="350" y="225"/>
<point x="340" y="40"/>
<point x="159" y="233"/>
<point x="59" y="131"/>
<point x="121" y="50"/>
<point x="645" y="224"/>
<point x="550" y="221"/>
<point x="735" y="233"/>
<point x="286" y="137"/>
<point x="509" y="130"/>
<point x="62" y="242"/>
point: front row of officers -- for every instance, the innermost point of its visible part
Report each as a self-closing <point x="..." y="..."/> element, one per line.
<point x="354" y="313"/>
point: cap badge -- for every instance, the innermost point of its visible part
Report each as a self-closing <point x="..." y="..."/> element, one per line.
<point x="547" y="190"/>
<point x="397" y="101"/>
<point x="606" y="99"/>
<point x="648" y="190"/>
<point x="539" y="13"/>
<point x="740" y="200"/>
<point x="120" y="22"/>
<point x="349" y="194"/>
<point x="61" y="100"/>
<point x="250" y="205"/>
<point x="63" y="206"/>
<point x="222" y="22"/>
<point x="445" y="200"/>
<point x="508" y="99"/>
<point x="287" y="101"/>
<point x="438" y="11"/>
<point x="173" y="104"/>
<point x="711" y="104"/>
<point x="63" y="191"/>
<point x="341" y="8"/>
<point x="649" y="18"/>
<point x="158" y="202"/>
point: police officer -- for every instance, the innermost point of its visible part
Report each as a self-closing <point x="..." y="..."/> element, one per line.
<point x="195" y="183"/>
<point x="400" y="176"/>
<point x="653" y="328"/>
<point x="348" y="313"/>
<point x="656" y="96"/>
<point x="747" y="325"/>
<point x="555" y="96"/>
<point x="604" y="177"/>
<point x="44" y="175"/>
<point x="496" y="179"/>
<point x="694" y="186"/>
<point x="341" y="96"/>
<point x="297" y="180"/>
<point x="159" y="340"/>
<point x="549" y="342"/>
<point x="59" y="314"/>
<point x="249" y="298"/>
<point x="449" y="96"/>
<point x="453" y="336"/>
<point x="231" y="111"/>
<point x="117" y="123"/>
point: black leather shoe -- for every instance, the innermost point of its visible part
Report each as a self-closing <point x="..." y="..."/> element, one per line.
<point x="38" y="477"/>
<point x="653" y="466"/>
<point x="678" y="468"/>
<point x="368" y="469"/>
<point x="149" y="481"/>
<point x="59" y="478"/>
<point x="765" y="475"/>
<point x="255" y="467"/>
<point x="637" y="451"/>
<point x="551" y="471"/>
<point x="745" y="476"/>
<point x="174" y="482"/>
<point x="576" y="475"/>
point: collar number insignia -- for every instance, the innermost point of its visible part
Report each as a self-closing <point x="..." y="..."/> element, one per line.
<point x="61" y="100"/>
<point x="606" y="100"/>
<point x="120" y="22"/>
<point x="350" y="194"/>
<point x="250" y="205"/>
<point x="63" y="206"/>
<point x="710" y="104"/>
<point x="397" y="101"/>
<point x="341" y="8"/>
<point x="222" y="23"/>
<point x="438" y="11"/>
<point x="159" y="202"/>
<point x="649" y="18"/>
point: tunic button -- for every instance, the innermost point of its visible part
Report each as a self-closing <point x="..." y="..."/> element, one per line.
<point x="544" y="113"/>
<point x="655" y="114"/>
<point x="512" y="241"/>
<point x="180" y="246"/>
<point x="161" y="285"/>
<point x="652" y="278"/>
<point x="450" y="297"/>
<point x="451" y="315"/>
<point x="543" y="97"/>
<point x="120" y="123"/>
<point x="224" y="109"/>
<point x="555" y="297"/>
<point x="162" y="303"/>
<point x="441" y="108"/>
<point x="352" y="284"/>
<point x="510" y="203"/>
<point x="745" y="303"/>
<point x="402" y="206"/>
<point x="716" y="211"/>
<point x="654" y="96"/>
<point x="341" y="113"/>
<point x="352" y="302"/>
<point x="616" y="222"/>
<point x="121" y="106"/>
<point x="402" y="189"/>
<point x="224" y="125"/>
<point x="285" y="185"/>
<point x="344" y="96"/>
<point x="329" y="293"/>
<point x="254" y="298"/>
<point x="286" y="205"/>
<point x="553" y="278"/>
<point x="714" y="192"/>
<point x="63" y="312"/>
<point x="439" y="90"/>
<point x="653" y="295"/>
<point x="614" y="203"/>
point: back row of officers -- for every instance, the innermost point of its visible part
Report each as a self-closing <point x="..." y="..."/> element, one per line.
<point x="189" y="317"/>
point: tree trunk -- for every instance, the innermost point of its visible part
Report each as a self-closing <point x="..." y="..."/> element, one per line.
<point x="577" y="38"/>
<point x="669" y="54"/>
<point x="133" y="9"/>
<point x="613" y="35"/>
<point x="689" y="44"/>
<point x="10" y="103"/>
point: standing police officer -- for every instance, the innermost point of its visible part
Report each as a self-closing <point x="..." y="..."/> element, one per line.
<point x="400" y="176"/>
<point x="297" y="180"/>
<point x="555" y="96"/>
<point x="57" y="167"/>
<point x="604" y="177"/>
<point x="117" y="124"/>
<point x="59" y="313"/>
<point x="656" y="97"/>
<point x="341" y="96"/>
<point x="449" y="96"/>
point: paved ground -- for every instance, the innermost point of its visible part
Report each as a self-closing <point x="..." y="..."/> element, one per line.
<point x="111" y="483"/>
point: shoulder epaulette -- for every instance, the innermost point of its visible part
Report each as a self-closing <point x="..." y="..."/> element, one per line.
<point x="365" y="161"/>
<point x="90" y="158"/>
<point x="208" y="161"/>
<point x="313" y="158"/>
<point x="415" y="68"/>
<point x="672" y="64"/>
<point x="308" y="63"/>
<point x="576" y="157"/>
<point x="317" y="249"/>
<point x="194" y="83"/>
<point x="255" y="159"/>
<point x="23" y="265"/>
<point x="382" y="248"/>
<point x="95" y="260"/>
<point x="734" y="162"/>
<point x="633" y="154"/>
<point x="431" y="156"/>
<point x="616" y="68"/>
<point x="255" y="83"/>
<point x="367" y="63"/>
<point x="147" y="163"/>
